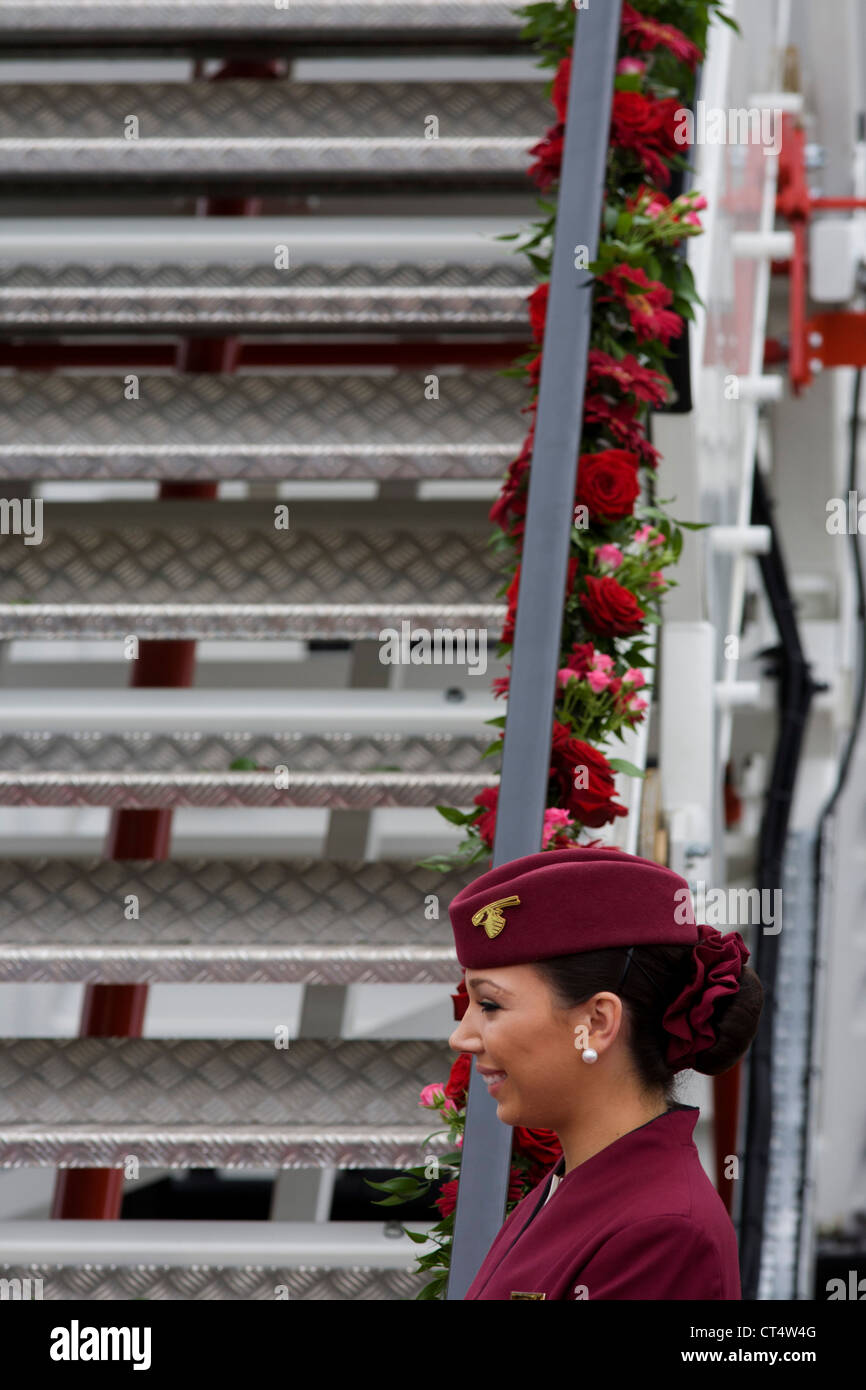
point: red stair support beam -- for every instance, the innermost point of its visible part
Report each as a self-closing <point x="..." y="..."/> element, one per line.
<point x="726" y="1121"/>
<point x="117" y="1011"/>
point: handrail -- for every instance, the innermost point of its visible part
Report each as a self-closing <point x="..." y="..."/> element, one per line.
<point x="485" y="1162"/>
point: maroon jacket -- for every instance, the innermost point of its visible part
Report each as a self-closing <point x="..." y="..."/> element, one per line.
<point x="639" y="1220"/>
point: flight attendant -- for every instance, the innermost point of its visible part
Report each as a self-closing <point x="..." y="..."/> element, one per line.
<point x="590" y="986"/>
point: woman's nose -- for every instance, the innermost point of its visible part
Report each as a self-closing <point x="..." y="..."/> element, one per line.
<point x="463" y="1039"/>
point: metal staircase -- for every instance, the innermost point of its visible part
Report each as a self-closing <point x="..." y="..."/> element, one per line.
<point x="333" y="352"/>
<point x="358" y="320"/>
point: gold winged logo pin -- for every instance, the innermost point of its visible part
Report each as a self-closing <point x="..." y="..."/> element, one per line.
<point x="491" y="917"/>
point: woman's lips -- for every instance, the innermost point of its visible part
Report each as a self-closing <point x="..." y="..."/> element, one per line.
<point x="493" y="1079"/>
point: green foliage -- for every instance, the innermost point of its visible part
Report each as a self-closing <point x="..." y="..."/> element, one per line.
<point x="654" y="244"/>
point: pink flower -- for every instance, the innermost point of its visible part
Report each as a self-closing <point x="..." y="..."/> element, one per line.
<point x="609" y="556"/>
<point x="598" y="680"/>
<point x="648" y="535"/>
<point x="631" y="65"/>
<point x="600" y="662"/>
<point x="634" y="677"/>
<point x="693" y="219"/>
<point x="648" y="201"/>
<point x="657" y="580"/>
<point x="556" y="819"/>
<point x="430" y="1094"/>
<point x="637" y="703"/>
<point x="564" y="675"/>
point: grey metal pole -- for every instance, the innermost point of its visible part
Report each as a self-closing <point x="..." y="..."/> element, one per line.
<point x="484" y="1167"/>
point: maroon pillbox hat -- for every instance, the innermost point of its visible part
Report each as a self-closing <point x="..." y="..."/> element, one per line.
<point x="563" y="901"/>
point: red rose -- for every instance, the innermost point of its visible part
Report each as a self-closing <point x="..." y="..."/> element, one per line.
<point x="540" y="1146"/>
<point x="457" y="1085"/>
<point x="610" y="609"/>
<point x="511" y="614"/>
<point x="511" y="596"/>
<point x="511" y="501"/>
<point x="559" y="91"/>
<point x="593" y="804"/>
<point x="581" y="657"/>
<point x="648" y="129"/>
<point x="548" y="158"/>
<point x="486" y="824"/>
<point x="447" y="1199"/>
<point x="633" y="112"/>
<point x="608" y="484"/>
<point x="460" y="1000"/>
<point x="537" y="302"/>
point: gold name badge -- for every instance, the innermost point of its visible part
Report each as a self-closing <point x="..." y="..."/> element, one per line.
<point x="516" y="1294"/>
<point x="491" y="917"/>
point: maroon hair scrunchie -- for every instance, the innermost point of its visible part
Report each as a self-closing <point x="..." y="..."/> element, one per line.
<point x="718" y="959"/>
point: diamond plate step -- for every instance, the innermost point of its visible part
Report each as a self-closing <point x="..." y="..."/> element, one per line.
<point x="301" y="921"/>
<point x="356" y="791"/>
<point x="304" y="24"/>
<point x="219" y="1103"/>
<point x="214" y="1259"/>
<point x="307" y="965"/>
<point x="203" y="1281"/>
<point x="211" y="1146"/>
<point x="198" y="901"/>
<point x="418" y="301"/>
<point x="36" y="749"/>
<point x="287" y="426"/>
<point x="238" y="621"/>
<point x="330" y="133"/>
<point x="370" y="551"/>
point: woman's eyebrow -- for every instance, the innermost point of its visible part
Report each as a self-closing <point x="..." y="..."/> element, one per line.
<point x="492" y="983"/>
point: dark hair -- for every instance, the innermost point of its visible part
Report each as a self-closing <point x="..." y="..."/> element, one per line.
<point x="576" y="978"/>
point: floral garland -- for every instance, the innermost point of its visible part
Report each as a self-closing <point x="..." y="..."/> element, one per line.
<point x="619" y="548"/>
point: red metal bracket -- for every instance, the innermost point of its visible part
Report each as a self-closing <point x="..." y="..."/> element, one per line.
<point x="835" y="339"/>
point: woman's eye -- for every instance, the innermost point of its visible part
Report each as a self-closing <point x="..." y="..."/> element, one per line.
<point x="486" y="1004"/>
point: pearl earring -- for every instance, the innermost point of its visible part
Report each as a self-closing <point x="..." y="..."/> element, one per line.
<point x="590" y="1054"/>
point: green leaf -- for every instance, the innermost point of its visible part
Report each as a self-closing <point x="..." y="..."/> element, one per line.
<point x="623" y="765"/>
<point x="419" y="1237"/>
<point x="450" y="813"/>
<point x="440" y="862"/>
<point x="409" y="1185"/>
<point x="434" y="1290"/>
<point x="393" y="1184"/>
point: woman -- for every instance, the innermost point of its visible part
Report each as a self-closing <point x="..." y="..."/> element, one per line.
<point x="590" y="986"/>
